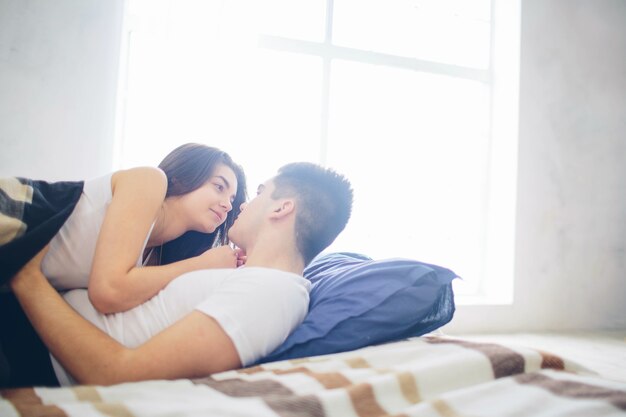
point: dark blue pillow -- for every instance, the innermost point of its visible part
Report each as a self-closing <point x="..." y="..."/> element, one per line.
<point x="356" y="302"/>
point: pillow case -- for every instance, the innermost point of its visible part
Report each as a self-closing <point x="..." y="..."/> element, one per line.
<point x="356" y="301"/>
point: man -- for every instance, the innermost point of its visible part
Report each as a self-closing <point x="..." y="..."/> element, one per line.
<point x="204" y="321"/>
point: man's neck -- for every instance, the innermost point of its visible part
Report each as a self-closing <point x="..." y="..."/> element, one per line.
<point x="268" y="254"/>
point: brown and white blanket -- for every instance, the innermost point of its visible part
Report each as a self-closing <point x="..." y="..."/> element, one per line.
<point x="31" y="213"/>
<point x="426" y="376"/>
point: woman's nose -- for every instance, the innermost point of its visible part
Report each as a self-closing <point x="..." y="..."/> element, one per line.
<point x="227" y="204"/>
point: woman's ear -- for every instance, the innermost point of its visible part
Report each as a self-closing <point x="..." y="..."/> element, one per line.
<point x="285" y="207"/>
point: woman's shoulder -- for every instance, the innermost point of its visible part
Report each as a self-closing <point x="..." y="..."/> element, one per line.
<point x="140" y="176"/>
<point x="141" y="173"/>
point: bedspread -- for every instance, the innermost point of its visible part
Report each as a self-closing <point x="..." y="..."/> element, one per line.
<point x="426" y="376"/>
<point x="31" y="213"/>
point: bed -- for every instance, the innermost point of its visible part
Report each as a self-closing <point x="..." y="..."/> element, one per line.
<point x="371" y="345"/>
<point x="431" y="375"/>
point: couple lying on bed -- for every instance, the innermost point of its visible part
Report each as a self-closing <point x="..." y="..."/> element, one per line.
<point x="204" y="321"/>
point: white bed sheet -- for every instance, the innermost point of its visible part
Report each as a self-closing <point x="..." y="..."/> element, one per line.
<point x="603" y="352"/>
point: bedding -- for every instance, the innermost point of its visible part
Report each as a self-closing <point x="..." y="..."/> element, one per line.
<point x="31" y="213"/>
<point x="423" y="376"/>
<point x="356" y="301"/>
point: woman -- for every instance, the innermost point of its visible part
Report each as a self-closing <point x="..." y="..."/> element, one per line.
<point x="133" y="231"/>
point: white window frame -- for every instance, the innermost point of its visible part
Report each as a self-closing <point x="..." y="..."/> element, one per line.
<point x="496" y="286"/>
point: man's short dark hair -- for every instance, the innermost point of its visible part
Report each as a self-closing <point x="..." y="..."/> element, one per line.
<point x="324" y="204"/>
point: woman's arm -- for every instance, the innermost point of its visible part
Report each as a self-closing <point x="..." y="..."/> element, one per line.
<point x="115" y="283"/>
<point x="194" y="346"/>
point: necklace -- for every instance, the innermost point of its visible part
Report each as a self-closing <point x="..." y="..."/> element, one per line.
<point x="162" y="240"/>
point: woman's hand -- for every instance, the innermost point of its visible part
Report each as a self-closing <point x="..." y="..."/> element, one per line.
<point x="241" y="257"/>
<point x="220" y="257"/>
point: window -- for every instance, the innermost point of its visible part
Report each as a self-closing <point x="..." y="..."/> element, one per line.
<point x="414" y="100"/>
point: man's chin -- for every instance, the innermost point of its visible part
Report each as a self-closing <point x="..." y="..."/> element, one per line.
<point x="232" y="234"/>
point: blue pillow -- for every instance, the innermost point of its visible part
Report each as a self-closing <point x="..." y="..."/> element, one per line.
<point x="356" y="301"/>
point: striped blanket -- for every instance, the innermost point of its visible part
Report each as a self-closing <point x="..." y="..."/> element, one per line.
<point x="31" y="213"/>
<point x="426" y="376"/>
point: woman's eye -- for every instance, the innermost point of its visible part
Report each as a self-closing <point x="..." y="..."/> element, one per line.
<point x="219" y="187"/>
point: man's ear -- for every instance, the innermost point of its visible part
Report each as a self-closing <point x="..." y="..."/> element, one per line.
<point x="284" y="208"/>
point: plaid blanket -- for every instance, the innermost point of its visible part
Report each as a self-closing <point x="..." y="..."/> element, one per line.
<point x="427" y="376"/>
<point x="31" y="213"/>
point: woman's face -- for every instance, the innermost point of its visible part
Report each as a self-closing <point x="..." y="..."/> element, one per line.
<point x="206" y="208"/>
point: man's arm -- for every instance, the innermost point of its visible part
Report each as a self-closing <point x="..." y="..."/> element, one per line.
<point x="192" y="347"/>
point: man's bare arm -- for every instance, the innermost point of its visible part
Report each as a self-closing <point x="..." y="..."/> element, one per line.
<point x="192" y="347"/>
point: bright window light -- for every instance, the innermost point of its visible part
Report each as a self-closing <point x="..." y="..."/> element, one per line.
<point x="414" y="100"/>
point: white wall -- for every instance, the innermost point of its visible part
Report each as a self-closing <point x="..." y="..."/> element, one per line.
<point x="58" y="76"/>
<point x="58" y="69"/>
<point x="571" y="228"/>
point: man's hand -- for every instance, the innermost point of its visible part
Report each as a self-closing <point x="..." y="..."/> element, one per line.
<point x="31" y="272"/>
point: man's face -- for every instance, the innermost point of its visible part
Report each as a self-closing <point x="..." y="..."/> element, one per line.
<point x="253" y="215"/>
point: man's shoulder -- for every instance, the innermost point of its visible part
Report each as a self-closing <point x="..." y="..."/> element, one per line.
<point x="263" y="271"/>
<point x="267" y="276"/>
<point x="213" y="279"/>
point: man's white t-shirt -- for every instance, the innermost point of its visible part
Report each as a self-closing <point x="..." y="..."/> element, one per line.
<point x="256" y="307"/>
